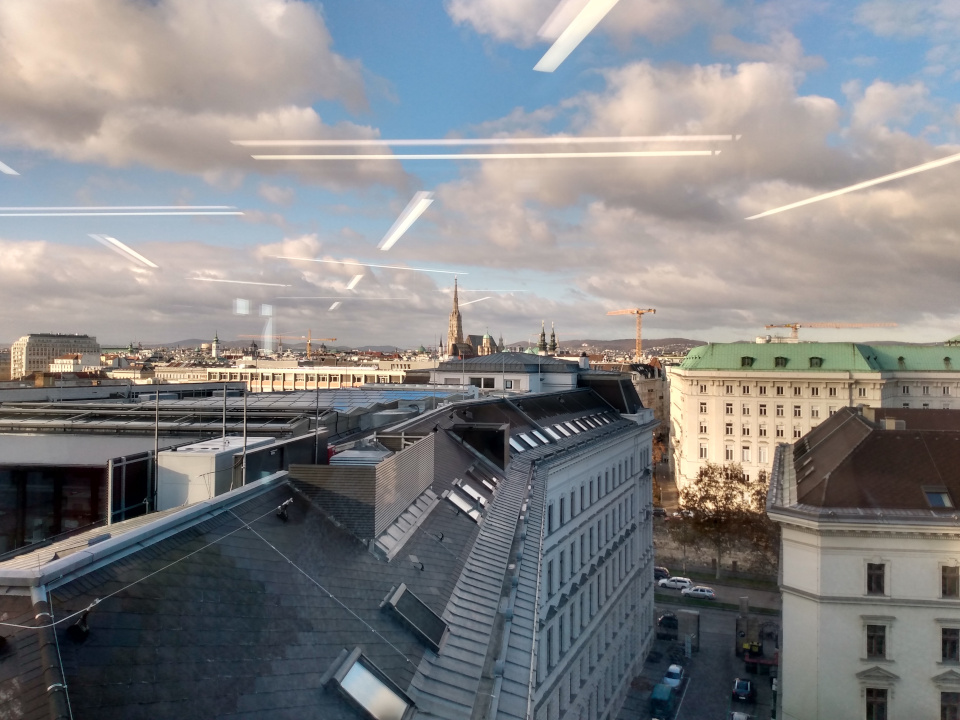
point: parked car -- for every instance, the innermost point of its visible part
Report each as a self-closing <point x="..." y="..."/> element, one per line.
<point x="674" y="676"/>
<point x="699" y="591"/>
<point x="676" y="583"/>
<point x="668" y="627"/>
<point x="744" y="690"/>
<point x="660" y="573"/>
<point x="659" y="512"/>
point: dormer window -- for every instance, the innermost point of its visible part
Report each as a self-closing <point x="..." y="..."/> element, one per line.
<point x="938" y="497"/>
<point x="746" y="361"/>
<point x="780" y="361"/>
<point x="816" y="362"/>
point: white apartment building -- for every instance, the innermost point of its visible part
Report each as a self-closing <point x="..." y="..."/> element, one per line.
<point x="596" y="575"/>
<point x="870" y="567"/>
<point x="733" y="402"/>
<point x="79" y="362"/>
<point x="36" y="352"/>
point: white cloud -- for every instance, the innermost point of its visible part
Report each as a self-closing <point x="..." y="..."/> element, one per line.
<point x="518" y="21"/>
<point x="277" y="195"/>
<point x="169" y="83"/>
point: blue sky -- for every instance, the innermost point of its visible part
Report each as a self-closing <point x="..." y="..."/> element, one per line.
<point x="824" y="94"/>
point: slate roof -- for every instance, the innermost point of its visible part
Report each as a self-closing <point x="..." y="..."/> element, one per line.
<point x="851" y="464"/>
<point x="209" y="618"/>
<point x="836" y="357"/>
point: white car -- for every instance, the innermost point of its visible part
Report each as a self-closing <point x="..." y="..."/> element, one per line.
<point x="676" y="583"/>
<point x="699" y="591"/>
<point x="674" y="676"/>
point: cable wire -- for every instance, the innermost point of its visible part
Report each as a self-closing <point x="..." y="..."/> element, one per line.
<point x="329" y="594"/>
<point x="135" y="582"/>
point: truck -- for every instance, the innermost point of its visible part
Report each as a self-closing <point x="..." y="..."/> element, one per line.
<point x="757" y="643"/>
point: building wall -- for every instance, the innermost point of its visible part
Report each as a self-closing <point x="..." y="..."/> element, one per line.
<point x="33" y="353"/>
<point x="598" y="608"/>
<point x="281" y="379"/>
<point x="704" y="402"/>
<point x="819" y="669"/>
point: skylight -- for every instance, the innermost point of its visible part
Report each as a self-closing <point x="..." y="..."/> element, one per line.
<point x="938" y="497"/>
<point x="561" y="428"/>
<point x="473" y="493"/>
<point x="420" y="618"/>
<point x="573" y="427"/>
<point x="589" y="422"/>
<point x="553" y="433"/>
<point x="529" y="440"/>
<point x="582" y="426"/>
<point x="465" y="506"/>
<point x="516" y="446"/>
<point x="361" y="682"/>
<point x="541" y="437"/>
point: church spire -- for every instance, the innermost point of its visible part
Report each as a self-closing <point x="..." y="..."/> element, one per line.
<point x="553" y="339"/>
<point x="455" y="326"/>
<point x="542" y="344"/>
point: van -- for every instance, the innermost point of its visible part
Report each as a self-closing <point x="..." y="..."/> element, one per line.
<point x="662" y="701"/>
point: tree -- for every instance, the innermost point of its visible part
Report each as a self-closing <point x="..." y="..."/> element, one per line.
<point x="728" y="507"/>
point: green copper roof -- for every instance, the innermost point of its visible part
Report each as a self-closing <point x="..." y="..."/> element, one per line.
<point x="821" y="357"/>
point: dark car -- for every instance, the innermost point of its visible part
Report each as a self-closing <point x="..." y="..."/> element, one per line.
<point x="744" y="690"/>
<point x="659" y="573"/>
<point x="659" y="512"/>
<point x="668" y="626"/>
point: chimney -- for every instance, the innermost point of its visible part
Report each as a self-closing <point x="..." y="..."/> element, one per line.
<point x="584" y="361"/>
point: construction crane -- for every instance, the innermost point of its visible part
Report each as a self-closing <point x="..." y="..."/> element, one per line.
<point x="639" y="313"/>
<point x="794" y="327"/>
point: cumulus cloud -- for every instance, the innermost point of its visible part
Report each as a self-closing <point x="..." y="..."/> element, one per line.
<point x="168" y="84"/>
<point x="671" y="233"/>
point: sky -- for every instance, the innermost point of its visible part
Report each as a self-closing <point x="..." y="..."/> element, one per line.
<point x="129" y="103"/>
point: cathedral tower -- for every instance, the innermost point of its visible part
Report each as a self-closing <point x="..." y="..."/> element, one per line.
<point x="455" y="327"/>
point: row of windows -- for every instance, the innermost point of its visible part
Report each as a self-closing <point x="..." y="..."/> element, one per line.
<point x="876" y="636"/>
<point x="779" y="410"/>
<point x="569" y="562"/>
<point x="781" y="390"/>
<point x="949" y="574"/>
<point x="730" y="450"/>
<point x="590" y="492"/>
<point x="561" y="634"/>
<point x="924" y="390"/>
<point x="876" y="704"/>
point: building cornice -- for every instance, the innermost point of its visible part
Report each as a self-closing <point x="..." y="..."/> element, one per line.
<point x="873" y="601"/>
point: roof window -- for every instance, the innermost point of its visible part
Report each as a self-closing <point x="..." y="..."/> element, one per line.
<point x="366" y="687"/>
<point x="516" y="446"/>
<point x="561" y="428"/>
<point x="528" y="440"/>
<point x="424" y="622"/>
<point x="746" y="361"/>
<point x="816" y="362"/>
<point x="468" y="508"/>
<point x="938" y="497"/>
<point x="780" y="361"/>
<point x="553" y="433"/>
<point x="573" y="427"/>
<point x="473" y="493"/>
<point x="540" y="436"/>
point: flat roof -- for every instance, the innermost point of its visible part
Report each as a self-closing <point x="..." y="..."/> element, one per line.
<point x="79" y="450"/>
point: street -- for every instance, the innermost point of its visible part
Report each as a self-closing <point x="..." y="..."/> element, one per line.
<point x="706" y="694"/>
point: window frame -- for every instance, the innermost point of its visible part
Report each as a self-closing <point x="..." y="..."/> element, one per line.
<point x="873" y="571"/>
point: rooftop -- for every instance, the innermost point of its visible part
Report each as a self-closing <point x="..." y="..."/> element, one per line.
<point x="224" y="609"/>
<point x="889" y="462"/>
<point x="821" y="357"/>
<point x="510" y="362"/>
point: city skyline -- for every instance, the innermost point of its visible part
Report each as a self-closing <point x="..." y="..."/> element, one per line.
<point x="128" y="146"/>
